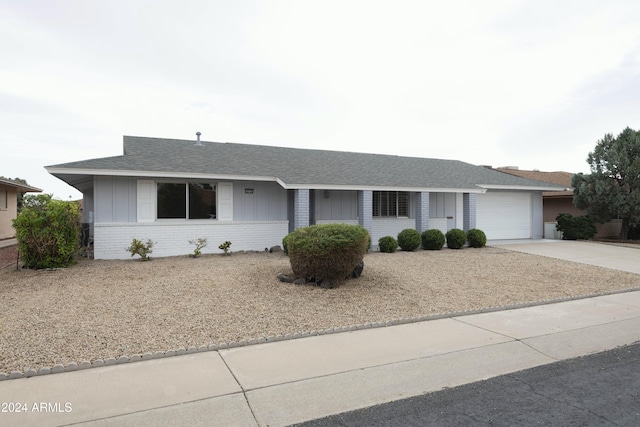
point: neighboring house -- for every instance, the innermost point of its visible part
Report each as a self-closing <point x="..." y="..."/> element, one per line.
<point x="9" y="205"/>
<point x="172" y="191"/>
<point x="557" y="202"/>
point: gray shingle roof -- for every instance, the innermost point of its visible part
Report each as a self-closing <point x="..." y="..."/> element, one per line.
<point x="292" y="166"/>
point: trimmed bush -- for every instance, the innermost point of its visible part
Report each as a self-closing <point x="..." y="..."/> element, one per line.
<point x="387" y="244"/>
<point x="433" y="239"/>
<point x="326" y="252"/>
<point x="456" y="238"/>
<point x="409" y="239"/>
<point x="575" y="228"/>
<point x="476" y="238"/>
<point x="48" y="232"/>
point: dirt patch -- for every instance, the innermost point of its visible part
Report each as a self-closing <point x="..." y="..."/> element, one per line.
<point x="8" y="256"/>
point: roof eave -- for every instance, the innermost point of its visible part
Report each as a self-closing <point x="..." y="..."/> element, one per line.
<point x="520" y="187"/>
<point x="320" y="186"/>
<point x="20" y="187"/>
<point x="154" y="174"/>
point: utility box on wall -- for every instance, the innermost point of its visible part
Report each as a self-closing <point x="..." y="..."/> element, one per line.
<point x="550" y="231"/>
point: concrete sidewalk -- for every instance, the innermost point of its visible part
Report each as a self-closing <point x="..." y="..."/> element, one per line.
<point x="286" y="382"/>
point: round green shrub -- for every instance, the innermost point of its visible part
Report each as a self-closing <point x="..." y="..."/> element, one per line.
<point x="48" y="232"/>
<point x="433" y="239"/>
<point x="387" y="244"/>
<point x="409" y="239"/>
<point x="326" y="252"/>
<point x="476" y="238"/>
<point x="456" y="238"/>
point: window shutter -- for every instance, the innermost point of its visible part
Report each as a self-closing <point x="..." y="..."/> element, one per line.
<point x="146" y="205"/>
<point x="225" y="201"/>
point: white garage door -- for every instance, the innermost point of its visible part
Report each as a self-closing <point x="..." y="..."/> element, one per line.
<point x="504" y="215"/>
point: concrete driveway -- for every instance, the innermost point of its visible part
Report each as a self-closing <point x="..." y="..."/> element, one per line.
<point x="600" y="254"/>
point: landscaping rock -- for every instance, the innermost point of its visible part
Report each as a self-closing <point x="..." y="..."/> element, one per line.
<point x="300" y="281"/>
<point x="284" y="277"/>
<point x="275" y="248"/>
<point x="327" y="284"/>
<point x="357" y="272"/>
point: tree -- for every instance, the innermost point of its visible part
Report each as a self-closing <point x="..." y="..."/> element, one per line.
<point x="20" y="195"/>
<point x="612" y="190"/>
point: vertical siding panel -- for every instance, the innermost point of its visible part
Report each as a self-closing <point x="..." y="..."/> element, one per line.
<point x="103" y="199"/>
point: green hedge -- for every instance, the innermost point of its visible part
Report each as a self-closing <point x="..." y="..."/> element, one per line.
<point x="48" y="232"/>
<point x="575" y="228"/>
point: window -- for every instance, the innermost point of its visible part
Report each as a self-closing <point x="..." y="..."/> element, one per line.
<point x="3" y="198"/>
<point x="182" y="200"/>
<point x="202" y="201"/>
<point x="391" y="204"/>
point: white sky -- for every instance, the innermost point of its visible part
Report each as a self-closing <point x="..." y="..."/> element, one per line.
<point x="532" y="84"/>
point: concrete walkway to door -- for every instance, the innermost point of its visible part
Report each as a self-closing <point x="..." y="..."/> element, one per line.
<point x="622" y="258"/>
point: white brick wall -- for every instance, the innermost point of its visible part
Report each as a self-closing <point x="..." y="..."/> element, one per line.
<point x="439" y="224"/>
<point x="390" y="227"/>
<point x="172" y="238"/>
<point x="338" y="221"/>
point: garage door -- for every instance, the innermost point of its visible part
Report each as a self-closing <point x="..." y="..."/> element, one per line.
<point x="504" y="215"/>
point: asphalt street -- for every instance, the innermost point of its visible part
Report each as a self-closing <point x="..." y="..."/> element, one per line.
<point x="595" y="390"/>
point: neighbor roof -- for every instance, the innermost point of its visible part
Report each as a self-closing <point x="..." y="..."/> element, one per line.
<point x="557" y="177"/>
<point x="291" y="167"/>
<point x="22" y="188"/>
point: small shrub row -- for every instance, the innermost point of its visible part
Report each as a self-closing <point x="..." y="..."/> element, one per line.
<point x="410" y="240"/>
<point x="144" y="249"/>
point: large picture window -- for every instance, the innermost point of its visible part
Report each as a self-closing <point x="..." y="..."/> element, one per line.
<point x="186" y="200"/>
<point x="202" y="201"/>
<point x="391" y="204"/>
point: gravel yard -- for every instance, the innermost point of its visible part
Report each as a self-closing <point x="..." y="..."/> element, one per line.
<point x="99" y="309"/>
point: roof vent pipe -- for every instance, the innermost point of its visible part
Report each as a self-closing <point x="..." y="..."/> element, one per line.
<point x="198" y="141"/>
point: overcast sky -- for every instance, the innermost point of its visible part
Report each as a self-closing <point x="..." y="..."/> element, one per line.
<point x="532" y="84"/>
